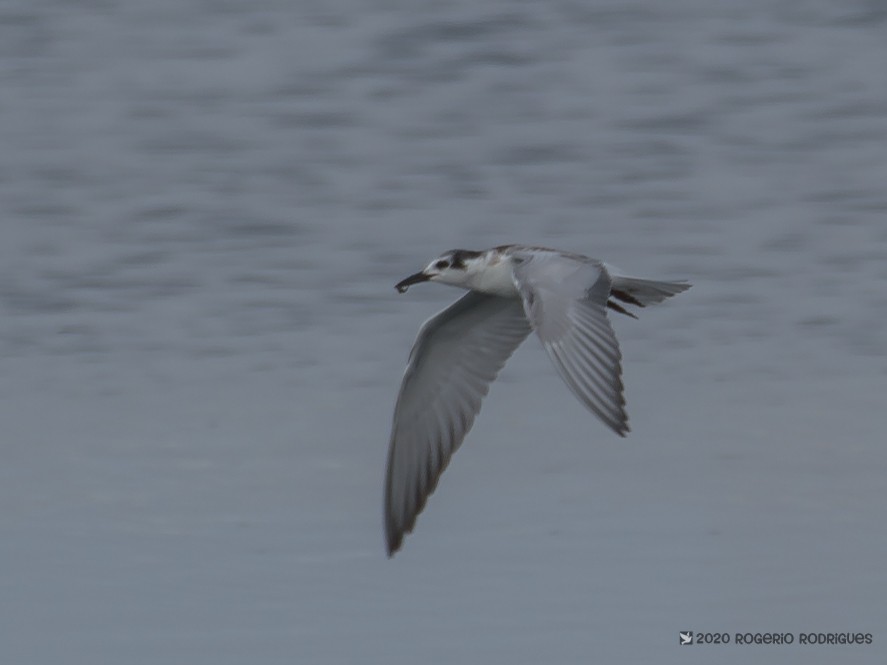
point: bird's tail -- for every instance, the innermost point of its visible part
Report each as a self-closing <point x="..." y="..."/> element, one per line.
<point x="641" y="292"/>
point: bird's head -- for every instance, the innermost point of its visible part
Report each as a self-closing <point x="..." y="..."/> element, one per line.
<point x="453" y="267"/>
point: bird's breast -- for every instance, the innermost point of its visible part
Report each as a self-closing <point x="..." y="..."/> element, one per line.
<point x="496" y="279"/>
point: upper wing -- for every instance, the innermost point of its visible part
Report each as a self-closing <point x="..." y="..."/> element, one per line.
<point x="565" y="299"/>
<point x="456" y="356"/>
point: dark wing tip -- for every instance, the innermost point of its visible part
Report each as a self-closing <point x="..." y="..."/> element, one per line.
<point x="626" y="297"/>
<point x="619" y="308"/>
<point x="393" y="544"/>
<point x="394" y="532"/>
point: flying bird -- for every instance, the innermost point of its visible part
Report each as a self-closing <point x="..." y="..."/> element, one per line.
<point x="512" y="291"/>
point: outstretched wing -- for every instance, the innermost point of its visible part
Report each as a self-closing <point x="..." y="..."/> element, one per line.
<point x="565" y="298"/>
<point x="456" y="356"/>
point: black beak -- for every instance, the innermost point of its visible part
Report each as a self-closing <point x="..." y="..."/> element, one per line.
<point x="404" y="284"/>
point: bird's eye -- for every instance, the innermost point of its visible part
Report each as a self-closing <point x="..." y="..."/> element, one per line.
<point x="440" y="265"/>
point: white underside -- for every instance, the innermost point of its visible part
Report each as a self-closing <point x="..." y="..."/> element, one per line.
<point x="496" y="279"/>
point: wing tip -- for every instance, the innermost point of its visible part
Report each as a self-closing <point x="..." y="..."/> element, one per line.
<point x="393" y="536"/>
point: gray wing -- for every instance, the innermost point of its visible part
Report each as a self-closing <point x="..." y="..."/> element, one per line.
<point x="456" y="356"/>
<point x="565" y="299"/>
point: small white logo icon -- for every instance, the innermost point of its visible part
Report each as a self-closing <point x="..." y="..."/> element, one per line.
<point x="686" y="637"/>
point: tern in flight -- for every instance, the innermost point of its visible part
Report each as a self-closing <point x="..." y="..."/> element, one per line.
<point x="512" y="290"/>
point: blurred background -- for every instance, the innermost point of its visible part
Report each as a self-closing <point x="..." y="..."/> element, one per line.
<point x="204" y="206"/>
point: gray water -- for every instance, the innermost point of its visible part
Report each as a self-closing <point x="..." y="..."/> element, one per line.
<point x="203" y="209"/>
